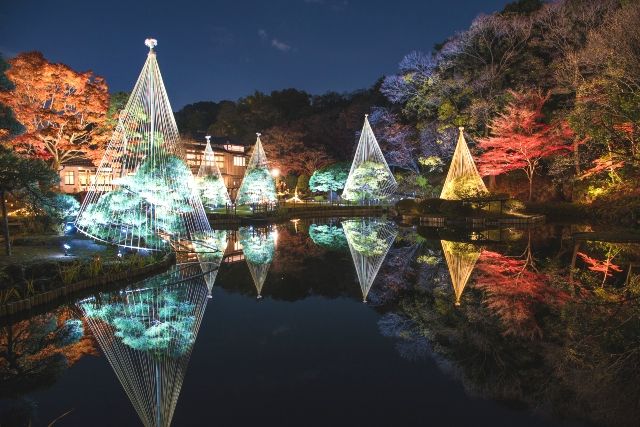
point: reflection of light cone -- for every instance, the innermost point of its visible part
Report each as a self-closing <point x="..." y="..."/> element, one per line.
<point x="258" y="247"/>
<point x="258" y="274"/>
<point x="147" y="332"/>
<point x="152" y="201"/>
<point x="369" y="242"/>
<point x="210" y="252"/>
<point x="461" y="259"/>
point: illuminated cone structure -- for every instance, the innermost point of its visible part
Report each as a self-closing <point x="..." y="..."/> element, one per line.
<point x="463" y="179"/>
<point x="259" y="248"/>
<point x="153" y="202"/>
<point x="369" y="241"/>
<point x="258" y="186"/>
<point x="147" y="332"/>
<point x="213" y="191"/>
<point x="210" y="255"/>
<point x="369" y="177"/>
<point x="461" y="259"/>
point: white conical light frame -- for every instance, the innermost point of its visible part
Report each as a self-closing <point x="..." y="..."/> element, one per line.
<point x="212" y="196"/>
<point x="463" y="175"/>
<point x="145" y="146"/>
<point x="369" y="152"/>
<point x="369" y="241"/>
<point x="258" y="186"/>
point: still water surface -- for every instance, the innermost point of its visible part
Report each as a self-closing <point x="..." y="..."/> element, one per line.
<point x="508" y="327"/>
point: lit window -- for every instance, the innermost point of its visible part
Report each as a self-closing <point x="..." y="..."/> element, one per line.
<point x="239" y="161"/>
<point x="220" y="161"/>
<point x="82" y="177"/>
<point x="69" y="178"/>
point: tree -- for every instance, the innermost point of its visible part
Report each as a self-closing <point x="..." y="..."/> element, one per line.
<point x="28" y="180"/>
<point x="213" y="191"/>
<point x="329" y="178"/>
<point x="285" y="147"/>
<point x="369" y="179"/>
<point x="150" y="189"/>
<point x="521" y="139"/>
<point x="62" y="110"/>
<point x="9" y="126"/>
<point x="35" y="352"/>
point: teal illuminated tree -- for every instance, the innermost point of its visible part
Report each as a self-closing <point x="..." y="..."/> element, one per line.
<point x="329" y="178"/>
<point x="328" y="236"/>
<point x="259" y="248"/>
<point x="369" y="241"/>
<point x="147" y="332"/>
<point x="258" y="185"/>
<point x="213" y="190"/>
<point x="143" y="194"/>
<point x="370" y="176"/>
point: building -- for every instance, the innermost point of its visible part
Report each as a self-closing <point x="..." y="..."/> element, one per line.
<point x="230" y="157"/>
<point x="78" y="175"/>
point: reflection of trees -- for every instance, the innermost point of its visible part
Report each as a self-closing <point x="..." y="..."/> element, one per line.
<point x="521" y="336"/>
<point x="328" y="236"/>
<point x="147" y="332"/>
<point x="34" y="352"/>
<point x="514" y="293"/>
<point x="293" y="251"/>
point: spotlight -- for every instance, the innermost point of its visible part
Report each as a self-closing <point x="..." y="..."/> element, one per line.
<point x="66" y="249"/>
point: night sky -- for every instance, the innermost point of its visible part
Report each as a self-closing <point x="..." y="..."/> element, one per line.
<point x="214" y="50"/>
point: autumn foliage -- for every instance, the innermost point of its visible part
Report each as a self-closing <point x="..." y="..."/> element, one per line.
<point x="63" y="111"/>
<point x="520" y="138"/>
<point x="514" y="292"/>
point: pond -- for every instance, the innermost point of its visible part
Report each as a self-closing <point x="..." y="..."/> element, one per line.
<point x="345" y="322"/>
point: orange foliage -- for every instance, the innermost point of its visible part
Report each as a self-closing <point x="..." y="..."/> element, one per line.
<point x="63" y="111"/>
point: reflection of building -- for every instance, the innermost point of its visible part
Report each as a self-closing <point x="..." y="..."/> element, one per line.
<point x="230" y="157"/>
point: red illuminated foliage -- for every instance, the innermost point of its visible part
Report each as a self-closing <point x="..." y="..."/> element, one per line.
<point x="63" y="111"/>
<point x="514" y="292"/>
<point x="605" y="267"/>
<point x="521" y="138"/>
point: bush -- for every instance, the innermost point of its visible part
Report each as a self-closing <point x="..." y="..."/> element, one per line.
<point x="303" y="184"/>
<point x="407" y="207"/>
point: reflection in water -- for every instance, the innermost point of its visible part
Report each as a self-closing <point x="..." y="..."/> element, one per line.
<point x="369" y="241"/>
<point x="210" y="256"/>
<point x="147" y="332"/>
<point x="258" y="246"/>
<point x="328" y="236"/>
<point x="461" y="259"/>
<point x="538" y="323"/>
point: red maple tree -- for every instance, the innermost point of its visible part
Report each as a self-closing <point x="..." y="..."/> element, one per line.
<point x="63" y="110"/>
<point x="521" y="139"/>
<point x="605" y="267"/>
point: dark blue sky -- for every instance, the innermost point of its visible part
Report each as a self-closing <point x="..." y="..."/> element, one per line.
<point x="213" y="50"/>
